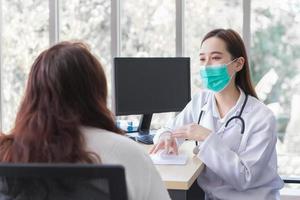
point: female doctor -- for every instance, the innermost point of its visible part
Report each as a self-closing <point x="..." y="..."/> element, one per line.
<point x="235" y="131"/>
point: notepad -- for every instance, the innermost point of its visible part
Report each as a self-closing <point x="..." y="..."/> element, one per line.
<point x="161" y="158"/>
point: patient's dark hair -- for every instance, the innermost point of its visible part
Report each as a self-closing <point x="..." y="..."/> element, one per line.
<point x="66" y="89"/>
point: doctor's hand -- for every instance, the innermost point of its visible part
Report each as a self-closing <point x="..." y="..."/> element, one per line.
<point x="192" y="132"/>
<point x="167" y="143"/>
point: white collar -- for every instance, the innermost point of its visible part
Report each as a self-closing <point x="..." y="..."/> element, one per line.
<point x="211" y="104"/>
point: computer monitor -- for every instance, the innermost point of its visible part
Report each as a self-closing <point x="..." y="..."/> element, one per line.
<point x="151" y="85"/>
<point x="62" y="182"/>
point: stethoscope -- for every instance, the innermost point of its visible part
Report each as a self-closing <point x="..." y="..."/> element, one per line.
<point x="239" y="117"/>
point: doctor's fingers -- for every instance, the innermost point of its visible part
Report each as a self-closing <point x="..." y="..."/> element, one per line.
<point x="174" y="146"/>
<point x="156" y="147"/>
<point x="169" y="144"/>
<point x="152" y="148"/>
<point x="183" y="135"/>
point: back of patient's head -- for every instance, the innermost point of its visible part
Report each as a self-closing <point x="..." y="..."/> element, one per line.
<point x="66" y="89"/>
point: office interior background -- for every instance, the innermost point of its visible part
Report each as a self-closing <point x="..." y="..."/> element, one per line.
<point x="162" y="28"/>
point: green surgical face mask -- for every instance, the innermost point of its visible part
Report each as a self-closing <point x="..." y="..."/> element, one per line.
<point x="215" y="77"/>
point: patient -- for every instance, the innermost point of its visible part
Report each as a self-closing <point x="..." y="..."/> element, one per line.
<point x="63" y="118"/>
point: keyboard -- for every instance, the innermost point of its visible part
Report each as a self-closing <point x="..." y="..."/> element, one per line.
<point x="145" y="139"/>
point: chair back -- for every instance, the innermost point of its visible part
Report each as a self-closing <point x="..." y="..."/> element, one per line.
<point x="38" y="181"/>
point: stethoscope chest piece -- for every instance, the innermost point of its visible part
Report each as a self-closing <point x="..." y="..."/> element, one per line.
<point x="196" y="150"/>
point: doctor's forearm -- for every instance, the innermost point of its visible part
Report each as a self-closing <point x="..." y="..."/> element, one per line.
<point x="204" y="135"/>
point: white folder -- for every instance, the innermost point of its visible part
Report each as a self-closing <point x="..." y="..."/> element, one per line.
<point x="161" y="158"/>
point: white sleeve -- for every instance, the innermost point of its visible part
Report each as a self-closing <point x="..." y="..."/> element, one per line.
<point x="242" y="170"/>
<point x="184" y="117"/>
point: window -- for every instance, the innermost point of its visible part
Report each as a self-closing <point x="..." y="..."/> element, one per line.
<point x="89" y="21"/>
<point x="275" y="62"/>
<point x="25" y="35"/>
<point x="200" y="18"/>
<point x="148" y="28"/>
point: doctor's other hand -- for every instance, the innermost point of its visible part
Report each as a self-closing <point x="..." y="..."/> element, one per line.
<point x="191" y="131"/>
<point x="167" y="143"/>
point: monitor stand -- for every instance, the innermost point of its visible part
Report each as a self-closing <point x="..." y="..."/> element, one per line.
<point x="144" y="135"/>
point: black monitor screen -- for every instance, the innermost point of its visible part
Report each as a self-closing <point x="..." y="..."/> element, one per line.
<point x="151" y="85"/>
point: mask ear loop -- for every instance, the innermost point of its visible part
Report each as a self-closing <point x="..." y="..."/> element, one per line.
<point x="232" y="61"/>
<point x="234" y="71"/>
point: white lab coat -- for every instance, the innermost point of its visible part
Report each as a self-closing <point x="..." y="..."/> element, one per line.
<point x="238" y="167"/>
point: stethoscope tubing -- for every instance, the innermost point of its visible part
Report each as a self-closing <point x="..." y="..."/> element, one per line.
<point x="239" y="117"/>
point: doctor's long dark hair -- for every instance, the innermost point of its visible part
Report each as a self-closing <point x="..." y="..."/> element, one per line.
<point x="66" y="89"/>
<point x="236" y="48"/>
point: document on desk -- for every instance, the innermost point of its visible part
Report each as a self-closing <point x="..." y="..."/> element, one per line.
<point x="169" y="159"/>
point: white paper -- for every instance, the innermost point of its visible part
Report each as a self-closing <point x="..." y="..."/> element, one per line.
<point x="161" y="158"/>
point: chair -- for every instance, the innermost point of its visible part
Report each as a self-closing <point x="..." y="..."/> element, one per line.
<point x="291" y="180"/>
<point x="62" y="182"/>
<point x="288" y="193"/>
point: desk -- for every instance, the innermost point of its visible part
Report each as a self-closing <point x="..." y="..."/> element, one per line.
<point x="179" y="178"/>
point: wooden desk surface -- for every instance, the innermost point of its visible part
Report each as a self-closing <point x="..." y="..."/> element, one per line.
<point x="181" y="177"/>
